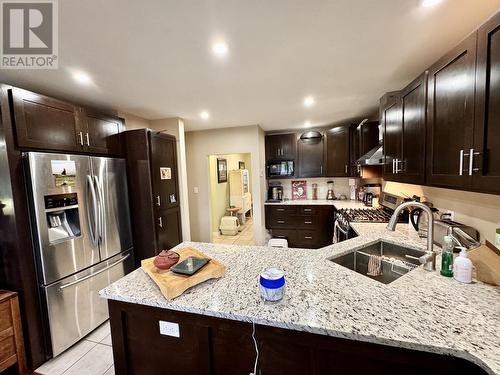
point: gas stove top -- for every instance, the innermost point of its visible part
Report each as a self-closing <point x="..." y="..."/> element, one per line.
<point x="361" y="215"/>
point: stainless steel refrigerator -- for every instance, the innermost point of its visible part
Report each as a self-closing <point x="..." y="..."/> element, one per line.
<point x="82" y="238"/>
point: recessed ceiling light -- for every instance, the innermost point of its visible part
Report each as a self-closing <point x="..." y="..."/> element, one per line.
<point x="82" y="77"/>
<point x="308" y="101"/>
<point x="429" y="3"/>
<point x="204" y="115"/>
<point x="307" y="124"/>
<point x="220" y="49"/>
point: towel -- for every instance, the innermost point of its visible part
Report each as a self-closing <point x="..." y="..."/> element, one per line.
<point x="374" y="266"/>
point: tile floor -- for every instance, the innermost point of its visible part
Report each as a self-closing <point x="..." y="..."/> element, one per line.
<point x="91" y="356"/>
<point x="244" y="237"/>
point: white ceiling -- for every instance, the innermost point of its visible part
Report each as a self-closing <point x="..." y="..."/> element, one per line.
<point x="153" y="58"/>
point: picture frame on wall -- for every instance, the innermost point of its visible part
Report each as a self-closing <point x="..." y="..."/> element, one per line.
<point x="241" y="165"/>
<point x="221" y="170"/>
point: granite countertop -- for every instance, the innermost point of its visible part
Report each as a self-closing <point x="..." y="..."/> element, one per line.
<point x="420" y="310"/>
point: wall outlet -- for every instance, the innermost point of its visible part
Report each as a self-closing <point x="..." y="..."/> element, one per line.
<point x="448" y="214"/>
<point x="169" y="329"/>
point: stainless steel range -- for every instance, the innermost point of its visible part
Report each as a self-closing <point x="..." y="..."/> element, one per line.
<point x="345" y="216"/>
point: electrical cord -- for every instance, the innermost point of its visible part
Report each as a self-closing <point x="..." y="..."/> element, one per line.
<point x="256" y="350"/>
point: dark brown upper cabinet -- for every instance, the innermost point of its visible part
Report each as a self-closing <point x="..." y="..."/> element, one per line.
<point x="311" y="156"/>
<point x="363" y="138"/>
<point x="450" y="119"/>
<point x="411" y="160"/>
<point x="100" y="133"/>
<point x="391" y="123"/>
<point x="281" y="147"/>
<point x="42" y="122"/>
<point x="485" y="166"/>
<point x="337" y="152"/>
<point x="50" y="124"/>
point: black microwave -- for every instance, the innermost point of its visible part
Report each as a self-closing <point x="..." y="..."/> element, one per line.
<point x="280" y="169"/>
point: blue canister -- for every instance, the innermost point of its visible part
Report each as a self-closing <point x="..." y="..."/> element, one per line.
<point x="272" y="284"/>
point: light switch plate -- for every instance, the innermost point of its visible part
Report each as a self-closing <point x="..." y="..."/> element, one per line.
<point x="169" y="329"/>
<point x="195" y="190"/>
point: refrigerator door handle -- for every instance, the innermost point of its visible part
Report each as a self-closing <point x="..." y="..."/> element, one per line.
<point x="93" y="230"/>
<point x="100" y="209"/>
<point x="95" y="273"/>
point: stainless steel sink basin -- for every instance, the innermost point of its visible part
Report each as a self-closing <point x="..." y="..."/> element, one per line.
<point x="396" y="260"/>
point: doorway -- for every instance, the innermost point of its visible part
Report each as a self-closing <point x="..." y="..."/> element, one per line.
<point x="231" y="203"/>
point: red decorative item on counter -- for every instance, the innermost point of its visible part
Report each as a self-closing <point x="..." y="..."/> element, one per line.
<point x="299" y="190"/>
<point x="165" y="260"/>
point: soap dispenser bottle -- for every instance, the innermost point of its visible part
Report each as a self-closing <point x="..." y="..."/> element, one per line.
<point x="462" y="267"/>
<point x="447" y="257"/>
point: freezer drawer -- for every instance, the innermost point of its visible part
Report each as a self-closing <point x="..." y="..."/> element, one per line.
<point x="74" y="306"/>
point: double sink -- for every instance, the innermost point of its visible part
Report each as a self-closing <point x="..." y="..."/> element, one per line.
<point x="396" y="260"/>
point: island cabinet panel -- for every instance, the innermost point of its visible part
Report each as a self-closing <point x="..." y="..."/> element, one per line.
<point x="303" y="226"/>
<point x="337" y="152"/>
<point x="215" y="346"/>
<point x="485" y="166"/>
<point x="451" y="116"/>
<point x="42" y="122"/>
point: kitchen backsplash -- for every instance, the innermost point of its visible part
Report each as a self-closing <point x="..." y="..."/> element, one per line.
<point x="341" y="186"/>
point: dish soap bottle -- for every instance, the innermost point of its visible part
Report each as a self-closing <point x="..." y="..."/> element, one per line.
<point x="447" y="257"/>
<point x="462" y="267"/>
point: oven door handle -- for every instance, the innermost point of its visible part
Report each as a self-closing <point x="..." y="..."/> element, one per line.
<point x="95" y="273"/>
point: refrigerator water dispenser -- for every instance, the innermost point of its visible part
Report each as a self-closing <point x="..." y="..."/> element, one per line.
<point x="63" y="219"/>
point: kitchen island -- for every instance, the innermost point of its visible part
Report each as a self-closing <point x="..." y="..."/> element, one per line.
<point x="331" y="318"/>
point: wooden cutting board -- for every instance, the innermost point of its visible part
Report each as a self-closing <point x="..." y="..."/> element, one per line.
<point x="173" y="284"/>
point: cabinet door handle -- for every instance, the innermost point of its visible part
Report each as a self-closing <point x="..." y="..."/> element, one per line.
<point x="80" y="134"/>
<point x="308" y="222"/>
<point x="461" y="163"/>
<point x="307" y="209"/>
<point x="158" y="200"/>
<point x="471" y="161"/>
<point x="345" y="168"/>
<point x="280" y="209"/>
<point x="359" y="168"/>
<point x="393" y="166"/>
<point x="87" y="138"/>
<point x="308" y="237"/>
<point x="160" y="222"/>
<point x="281" y="221"/>
<point x="321" y="170"/>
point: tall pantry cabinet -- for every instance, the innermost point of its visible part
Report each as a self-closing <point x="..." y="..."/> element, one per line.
<point x="153" y="178"/>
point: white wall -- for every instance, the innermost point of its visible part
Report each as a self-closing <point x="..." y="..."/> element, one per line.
<point x="201" y="144"/>
<point x="133" y="122"/>
<point x="481" y="211"/>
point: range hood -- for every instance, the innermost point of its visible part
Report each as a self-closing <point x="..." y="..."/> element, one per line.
<point x="373" y="157"/>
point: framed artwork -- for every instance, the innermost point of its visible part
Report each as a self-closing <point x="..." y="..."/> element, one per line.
<point x="241" y="165"/>
<point x="221" y="170"/>
<point x="299" y="190"/>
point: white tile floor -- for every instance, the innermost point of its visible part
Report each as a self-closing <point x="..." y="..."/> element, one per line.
<point x="244" y="237"/>
<point x="91" y="356"/>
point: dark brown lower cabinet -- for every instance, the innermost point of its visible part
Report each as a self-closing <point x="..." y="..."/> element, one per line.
<point x="309" y="227"/>
<point x="215" y="346"/>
